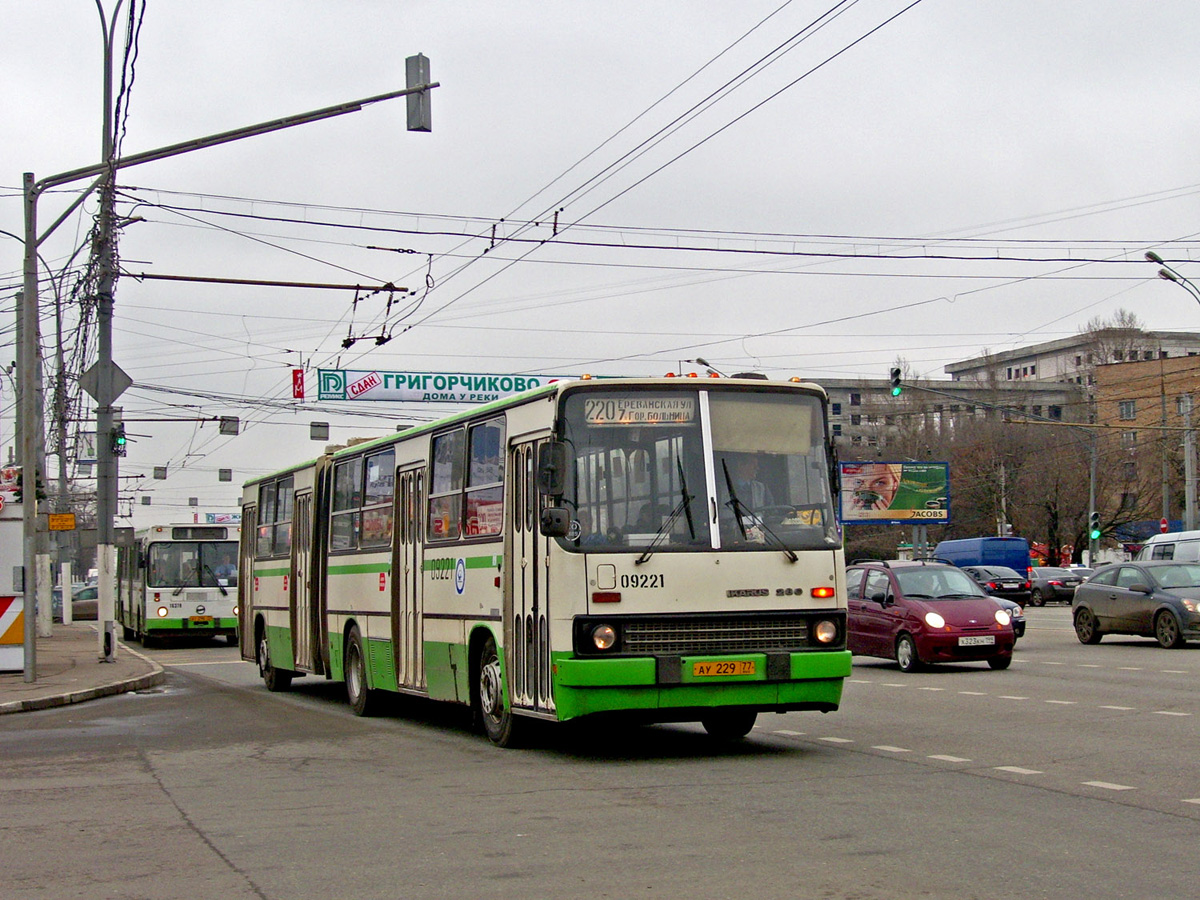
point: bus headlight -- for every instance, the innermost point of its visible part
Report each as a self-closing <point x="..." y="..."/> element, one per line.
<point x="826" y="631"/>
<point x="235" y="609"/>
<point x="162" y="612"/>
<point x="604" y="637"/>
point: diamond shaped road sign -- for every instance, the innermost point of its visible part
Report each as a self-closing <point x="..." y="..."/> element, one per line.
<point x="90" y="379"/>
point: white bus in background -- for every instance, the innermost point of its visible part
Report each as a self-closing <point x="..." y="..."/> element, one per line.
<point x="179" y="580"/>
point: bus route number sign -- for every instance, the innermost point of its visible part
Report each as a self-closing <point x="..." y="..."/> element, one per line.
<point x="639" y="410"/>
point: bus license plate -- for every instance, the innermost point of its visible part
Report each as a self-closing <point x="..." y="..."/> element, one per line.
<point x="201" y="620"/>
<point x="733" y="667"/>
<point x="981" y="640"/>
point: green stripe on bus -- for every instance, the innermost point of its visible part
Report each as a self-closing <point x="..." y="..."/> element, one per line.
<point x="267" y="573"/>
<point x="471" y="562"/>
<point x="361" y="569"/>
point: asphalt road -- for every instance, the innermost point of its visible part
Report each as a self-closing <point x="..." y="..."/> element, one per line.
<point x="1072" y="774"/>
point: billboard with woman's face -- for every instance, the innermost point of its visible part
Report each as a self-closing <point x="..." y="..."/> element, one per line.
<point x="882" y="493"/>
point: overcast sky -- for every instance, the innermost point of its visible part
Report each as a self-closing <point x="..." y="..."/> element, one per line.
<point x="1021" y="155"/>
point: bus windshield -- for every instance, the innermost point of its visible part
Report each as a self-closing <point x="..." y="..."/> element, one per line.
<point x="192" y="564"/>
<point x="650" y="468"/>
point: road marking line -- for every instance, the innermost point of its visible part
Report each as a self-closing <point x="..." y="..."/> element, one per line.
<point x="1109" y="786"/>
<point x="1174" y="672"/>
<point x="1197" y="800"/>
<point x="974" y="693"/>
<point x="887" y="749"/>
<point x="1086" y="666"/>
<point x="861" y="681"/>
<point x="790" y="733"/>
<point x="930" y="689"/>
<point x="1119" y="708"/>
<point x="1167" y="712"/>
<point x="1129" y="668"/>
<point x="1011" y="697"/>
<point x="836" y="740"/>
<point x="1063" y="702"/>
<point x="953" y="759"/>
<point x="1048" y="663"/>
<point x="893" y="684"/>
<point x="1017" y="770"/>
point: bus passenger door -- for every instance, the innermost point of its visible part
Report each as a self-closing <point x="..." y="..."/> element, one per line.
<point x="407" y="628"/>
<point x="526" y="621"/>
<point x="303" y="648"/>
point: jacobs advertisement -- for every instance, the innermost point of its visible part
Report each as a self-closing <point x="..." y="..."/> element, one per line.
<point x="894" y="493"/>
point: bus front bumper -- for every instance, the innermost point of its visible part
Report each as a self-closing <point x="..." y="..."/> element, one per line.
<point x="778" y="682"/>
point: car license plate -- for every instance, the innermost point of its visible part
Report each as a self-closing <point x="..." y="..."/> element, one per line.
<point x="201" y="620"/>
<point x="733" y="667"/>
<point x="1009" y="585"/>
<point x="977" y="640"/>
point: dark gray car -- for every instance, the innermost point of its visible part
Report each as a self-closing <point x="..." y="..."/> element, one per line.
<point x="1155" y="598"/>
<point x="1047" y="583"/>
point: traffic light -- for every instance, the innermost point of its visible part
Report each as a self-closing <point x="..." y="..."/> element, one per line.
<point x="896" y="386"/>
<point x="1094" y="526"/>
<point x="118" y="440"/>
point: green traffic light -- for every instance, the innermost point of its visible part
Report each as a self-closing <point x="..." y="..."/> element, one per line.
<point x="896" y="391"/>
<point x="1094" y="534"/>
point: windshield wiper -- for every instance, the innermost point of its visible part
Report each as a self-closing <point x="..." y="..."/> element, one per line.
<point x="683" y="506"/>
<point x="740" y="509"/>
<point x="216" y="581"/>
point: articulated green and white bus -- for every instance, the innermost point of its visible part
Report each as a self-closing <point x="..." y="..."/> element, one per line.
<point x="659" y="548"/>
<point x="179" y="580"/>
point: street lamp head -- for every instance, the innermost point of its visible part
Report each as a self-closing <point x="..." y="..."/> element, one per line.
<point x="1167" y="276"/>
<point x="1154" y="257"/>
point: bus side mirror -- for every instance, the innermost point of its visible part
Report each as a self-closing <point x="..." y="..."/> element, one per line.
<point x="555" y="521"/>
<point x="552" y="469"/>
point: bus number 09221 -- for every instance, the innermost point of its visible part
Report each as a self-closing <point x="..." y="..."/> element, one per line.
<point x="643" y="581"/>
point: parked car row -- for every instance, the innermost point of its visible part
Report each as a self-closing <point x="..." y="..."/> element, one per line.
<point x="83" y="603"/>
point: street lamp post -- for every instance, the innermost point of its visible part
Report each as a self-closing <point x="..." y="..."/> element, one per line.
<point x="107" y="381"/>
<point x="1166" y="273"/>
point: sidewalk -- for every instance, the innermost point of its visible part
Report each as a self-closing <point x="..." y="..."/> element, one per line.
<point x="69" y="671"/>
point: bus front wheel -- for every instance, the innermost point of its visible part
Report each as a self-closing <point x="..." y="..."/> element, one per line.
<point x="729" y="724"/>
<point x="357" y="692"/>
<point x="490" y="709"/>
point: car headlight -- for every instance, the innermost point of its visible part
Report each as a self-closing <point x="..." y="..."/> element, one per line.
<point x="604" y="636"/>
<point x="826" y="631"/>
<point x="1003" y="617"/>
<point x="933" y="620"/>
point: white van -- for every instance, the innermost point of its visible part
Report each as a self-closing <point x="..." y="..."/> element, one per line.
<point x="1177" y="545"/>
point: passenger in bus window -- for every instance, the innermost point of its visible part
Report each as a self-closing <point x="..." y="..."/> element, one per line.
<point x="747" y="483"/>
<point x="226" y="571"/>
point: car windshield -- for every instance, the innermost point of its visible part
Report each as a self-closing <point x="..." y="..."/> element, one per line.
<point x="1182" y="576"/>
<point x="928" y="583"/>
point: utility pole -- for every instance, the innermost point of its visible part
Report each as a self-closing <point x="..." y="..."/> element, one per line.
<point x="1189" y="466"/>
<point x="105" y="381"/>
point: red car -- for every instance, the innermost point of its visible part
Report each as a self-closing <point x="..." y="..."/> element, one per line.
<point x="924" y="612"/>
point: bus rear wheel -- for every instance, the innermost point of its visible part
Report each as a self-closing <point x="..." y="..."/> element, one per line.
<point x="729" y="724"/>
<point x="490" y="709"/>
<point x="360" y="696"/>
<point x="275" y="679"/>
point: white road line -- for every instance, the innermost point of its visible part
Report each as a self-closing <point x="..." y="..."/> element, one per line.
<point x="861" y="681"/>
<point x="893" y="684"/>
<point x="1196" y="800"/>
<point x="1086" y="666"/>
<point x="1129" y="668"/>
<point x="930" y="689"/>
<point x="886" y="749"/>
<point x="1048" y="663"/>
<point x="1108" y="786"/>
<point x="1119" y="708"/>
<point x="1173" y="672"/>
<point x="953" y="759"/>
<point x="974" y="693"/>
<point x="836" y="740"/>
<point x="1011" y="697"/>
<point x="789" y="733"/>
<point x="1167" y="712"/>
<point x="1017" y="770"/>
<point x="1062" y="702"/>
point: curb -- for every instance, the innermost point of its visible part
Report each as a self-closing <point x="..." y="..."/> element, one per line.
<point x="140" y="682"/>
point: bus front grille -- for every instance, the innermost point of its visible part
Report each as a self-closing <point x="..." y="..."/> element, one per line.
<point x="733" y="634"/>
